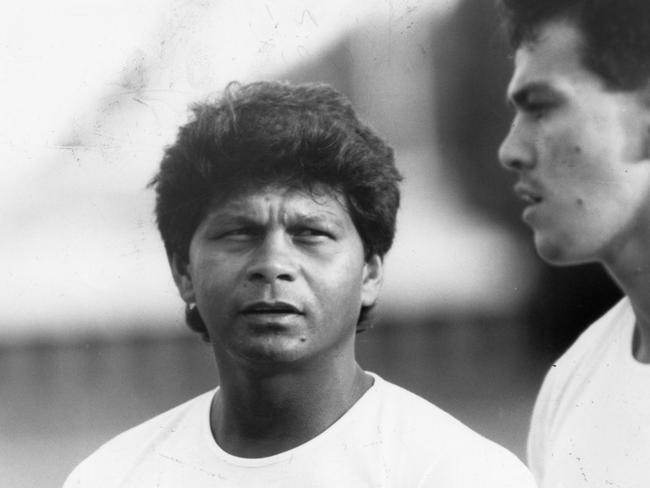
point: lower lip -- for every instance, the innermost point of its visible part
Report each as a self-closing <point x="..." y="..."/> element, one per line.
<point x="271" y="318"/>
<point x="529" y="212"/>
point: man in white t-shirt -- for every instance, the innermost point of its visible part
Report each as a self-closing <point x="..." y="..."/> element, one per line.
<point x="276" y="206"/>
<point x="580" y="145"/>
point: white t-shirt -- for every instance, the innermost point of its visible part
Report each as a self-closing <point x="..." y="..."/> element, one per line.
<point x="389" y="438"/>
<point x="591" y="423"/>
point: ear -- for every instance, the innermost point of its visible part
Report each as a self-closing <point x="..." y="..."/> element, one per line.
<point x="182" y="278"/>
<point x="373" y="277"/>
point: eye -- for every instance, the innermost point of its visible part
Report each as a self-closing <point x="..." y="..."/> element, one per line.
<point x="238" y="234"/>
<point x="312" y="234"/>
<point x="536" y="102"/>
<point x="538" y="110"/>
<point x="538" y="105"/>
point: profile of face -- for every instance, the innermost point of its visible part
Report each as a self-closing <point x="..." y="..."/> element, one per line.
<point x="579" y="150"/>
<point x="279" y="275"/>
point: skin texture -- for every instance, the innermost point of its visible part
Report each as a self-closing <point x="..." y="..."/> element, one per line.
<point x="580" y="152"/>
<point x="285" y="373"/>
<point x="577" y="146"/>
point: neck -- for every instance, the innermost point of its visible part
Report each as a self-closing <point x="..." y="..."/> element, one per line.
<point x="258" y="414"/>
<point x="631" y="270"/>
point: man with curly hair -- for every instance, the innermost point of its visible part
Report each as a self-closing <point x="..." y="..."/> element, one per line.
<point x="580" y="146"/>
<point x="277" y="206"/>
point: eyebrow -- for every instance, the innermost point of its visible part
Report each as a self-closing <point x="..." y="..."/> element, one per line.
<point x="324" y="218"/>
<point x="220" y="219"/>
<point x="241" y="217"/>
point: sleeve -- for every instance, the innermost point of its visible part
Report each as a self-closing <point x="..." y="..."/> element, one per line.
<point x="94" y="473"/>
<point x="543" y="419"/>
<point x="486" y="466"/>
<point x="74" y="480"/>
<point x="570" y="371"/>
<point x="535" y="449"/>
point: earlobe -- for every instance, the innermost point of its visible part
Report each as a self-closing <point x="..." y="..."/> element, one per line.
<point x="373" y="276"/>
<point x="182" y="278"/>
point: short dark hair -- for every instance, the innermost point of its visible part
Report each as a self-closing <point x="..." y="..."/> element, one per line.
<point x="275" y="133"/>
<point x="616" y="34"/>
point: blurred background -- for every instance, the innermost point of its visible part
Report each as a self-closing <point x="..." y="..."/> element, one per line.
<point x="92" y="338"/>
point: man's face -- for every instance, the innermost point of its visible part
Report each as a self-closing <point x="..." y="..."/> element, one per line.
<point x="578" y="149"/>
<point x="279" y="275"/>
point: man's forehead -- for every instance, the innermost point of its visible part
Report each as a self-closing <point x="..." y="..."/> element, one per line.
<point x="553" y="56"/>
<point x="313" y="202"/>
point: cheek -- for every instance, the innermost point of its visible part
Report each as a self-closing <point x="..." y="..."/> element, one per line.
<point x="574" y="174"/>
<point x="351" y="290"/>
<point x="565" y="153"/>
<point x="213" y="279"/>
<point x="341" y="292"/>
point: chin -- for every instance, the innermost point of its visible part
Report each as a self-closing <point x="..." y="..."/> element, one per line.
<point x="272" y="353"/>
<point x="558" y="255"/>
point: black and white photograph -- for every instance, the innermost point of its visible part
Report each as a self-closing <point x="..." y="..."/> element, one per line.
<point x="385" y="243"/>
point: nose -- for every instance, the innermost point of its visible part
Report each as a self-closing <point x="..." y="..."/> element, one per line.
<point x="273" y="261"/>
<point x="516" y="151"/>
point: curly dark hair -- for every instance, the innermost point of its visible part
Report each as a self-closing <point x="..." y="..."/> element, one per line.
<point x="616" y="34"/>
<point x="275" y="133"/>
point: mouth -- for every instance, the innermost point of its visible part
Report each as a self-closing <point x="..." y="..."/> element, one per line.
<point x="270" y="308"/>
<point x="527" y="194"/>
